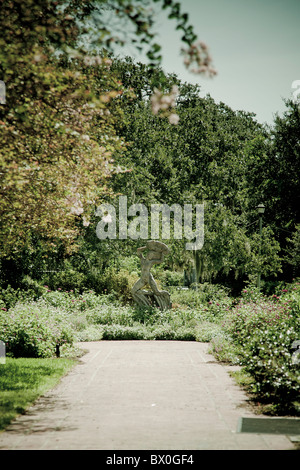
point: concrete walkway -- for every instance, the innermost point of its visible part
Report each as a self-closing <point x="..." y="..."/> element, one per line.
<point x="141" y="395"/>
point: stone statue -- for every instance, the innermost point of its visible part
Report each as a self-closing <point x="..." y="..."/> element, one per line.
<point x="156" y="252"/>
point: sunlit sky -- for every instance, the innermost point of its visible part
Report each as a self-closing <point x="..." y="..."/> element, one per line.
<point x="255" y="45"/>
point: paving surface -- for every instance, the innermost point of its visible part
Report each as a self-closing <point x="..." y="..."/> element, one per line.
<point x="141" y="395"/>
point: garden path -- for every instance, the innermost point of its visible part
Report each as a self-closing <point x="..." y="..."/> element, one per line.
<point x="141" y="395"/>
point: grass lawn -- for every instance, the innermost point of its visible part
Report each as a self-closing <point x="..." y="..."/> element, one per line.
<point x="23" y="380"/>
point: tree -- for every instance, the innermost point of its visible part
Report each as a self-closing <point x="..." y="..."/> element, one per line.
<point x="207" y="157"/>
<point x="274" y="178"/>
<point x="131" y="22"/>
<point x="284" y="180"/>
<point x="58" y="136"/>
<point x="292" y="252"/>
<point x="52" y="166"/>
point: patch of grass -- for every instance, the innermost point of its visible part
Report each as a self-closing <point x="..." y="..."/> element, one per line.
<point x="23" y="380"/>
<point x="242" y="378"/>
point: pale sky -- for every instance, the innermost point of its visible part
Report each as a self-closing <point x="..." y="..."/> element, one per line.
<point x="255" y="45"/>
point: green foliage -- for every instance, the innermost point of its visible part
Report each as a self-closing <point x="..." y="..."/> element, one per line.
<point x="9" y="297"/>
<point x="31" y="288"/>
<point x="68" y="279"/>
<point x="283" y="169"/>
<point x="273" y="177"/>
<point x="208" y="157"/>
<point x="22" y="381"/>
<point x="207" y="331"/>
<point x="171" y="278"/>
<point x="292" y="251"/>
<point x="121" y="332"/>
<point x="33" y="330"/>
<point x="213" y="155"/>
<point x="115" y="281"/>
<point x="110" y="314"/>
<point x="60" y="160"/>
<point x="212" y="301"/>
<point x="223" y="349"/>
<point x="119" y="282"/>
<point x="254" y="330"/>
<point x="264" y="332"/>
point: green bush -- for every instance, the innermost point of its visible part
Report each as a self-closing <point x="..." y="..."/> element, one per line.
<point x="68" y="279"/>
<point x="89" y="333"/>
<point x="32" y="330"/>
<point x="120" y="332"/>
<point x="164" y="332"/>
<point x="213" y="297"/>
<point x="32" y="287"/>
<point x="264" y="333"/>
<point x="290" y="293"/>
<point x="170" y="278"/>
<point x="10" y="296"/>
<point x="206" y="331"/>
<point x="110" y="314"/>
<point x="118" y="282"/>
<point x="185" y="333"/>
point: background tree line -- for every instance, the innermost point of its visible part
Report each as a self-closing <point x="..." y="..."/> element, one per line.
<point x="78" y="129"/>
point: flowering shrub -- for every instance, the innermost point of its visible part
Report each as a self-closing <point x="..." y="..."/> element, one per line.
<point x="31" y="331"/>
<point x="264" y="332"/>
<point x="290" y="293"/>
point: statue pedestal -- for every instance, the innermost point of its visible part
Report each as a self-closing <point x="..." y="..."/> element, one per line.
<point x="150" y="299"/>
